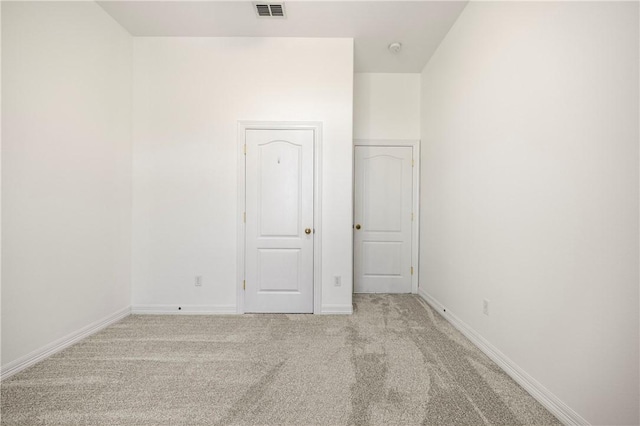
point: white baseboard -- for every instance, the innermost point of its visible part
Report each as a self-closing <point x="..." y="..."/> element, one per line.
<point x="30" y="359"/>
<point x="551" y="402"/>
<point x="184" y="309"/>
<point x="337" y="309"/>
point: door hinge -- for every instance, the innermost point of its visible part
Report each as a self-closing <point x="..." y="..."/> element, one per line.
<point x="412" y="162"/>
<point x="244" y="217"/>
<point x="244" y="149"/>
<point x="412" y="270"/>
<point x="244" y="285"/>
<point x="411" y="216"/>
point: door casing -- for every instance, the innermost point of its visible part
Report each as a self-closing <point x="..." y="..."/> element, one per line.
<point x="243" y="126"/>
<point x="415" y="225"/>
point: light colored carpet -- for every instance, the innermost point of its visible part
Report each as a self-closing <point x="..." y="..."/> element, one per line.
<point x="395" y="361"/>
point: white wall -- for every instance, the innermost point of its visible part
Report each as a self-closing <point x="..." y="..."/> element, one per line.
<point x="0" y="187"/>
<point x="386" y="106"/>
<point x="66" y="171"/>
<point x="530" y="192"/>
<point x="189" y="94"/>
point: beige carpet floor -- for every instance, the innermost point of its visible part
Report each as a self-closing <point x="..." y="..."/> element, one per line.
<point x="394" y="362"/>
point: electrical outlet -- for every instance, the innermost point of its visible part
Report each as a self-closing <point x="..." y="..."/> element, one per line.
<point x="198" y="280"/>
<point x="337" y="281"/>
<point x="485" y="307"/>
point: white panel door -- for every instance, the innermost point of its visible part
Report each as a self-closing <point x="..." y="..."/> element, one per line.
<point x="279" y="221"/>
<point x="382" y="230"/>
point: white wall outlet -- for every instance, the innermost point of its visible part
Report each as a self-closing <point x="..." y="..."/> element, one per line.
<point x="198" y="280"/>
<point x="337" y="281"/>
<point x="485" y="307"/>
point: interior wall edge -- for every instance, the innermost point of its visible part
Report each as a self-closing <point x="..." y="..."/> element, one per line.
<point x="56" y="346"/>
<point x="183" y="309"/>
<point x="551" y="402"/>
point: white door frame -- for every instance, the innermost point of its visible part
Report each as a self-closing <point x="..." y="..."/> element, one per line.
<point x="414" y="144"/>
<point x="316" y="126"/>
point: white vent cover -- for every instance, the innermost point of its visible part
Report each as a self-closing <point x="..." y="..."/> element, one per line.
<point x="269" y="10"/>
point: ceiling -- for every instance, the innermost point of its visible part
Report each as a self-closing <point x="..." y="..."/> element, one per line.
<point x="419" y="25"/>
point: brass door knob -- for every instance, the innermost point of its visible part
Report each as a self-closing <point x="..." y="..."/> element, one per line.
<point x="358" y="226"/>
<point x="307" y="231"/>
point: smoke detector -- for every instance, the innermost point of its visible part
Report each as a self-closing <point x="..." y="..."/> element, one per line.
<point x="395" y="47"/>
<point x="269" y="10"/>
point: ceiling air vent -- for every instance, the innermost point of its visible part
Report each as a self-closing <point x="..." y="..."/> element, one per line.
<point x="270" y="10"/>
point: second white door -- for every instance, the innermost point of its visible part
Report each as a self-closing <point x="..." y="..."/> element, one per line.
<point x="279" y="221"/>
<point x="383" y="219"/>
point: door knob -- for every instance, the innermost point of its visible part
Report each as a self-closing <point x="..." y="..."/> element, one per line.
<point x="307" y="231"/>
<point x="358" y="226"/>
